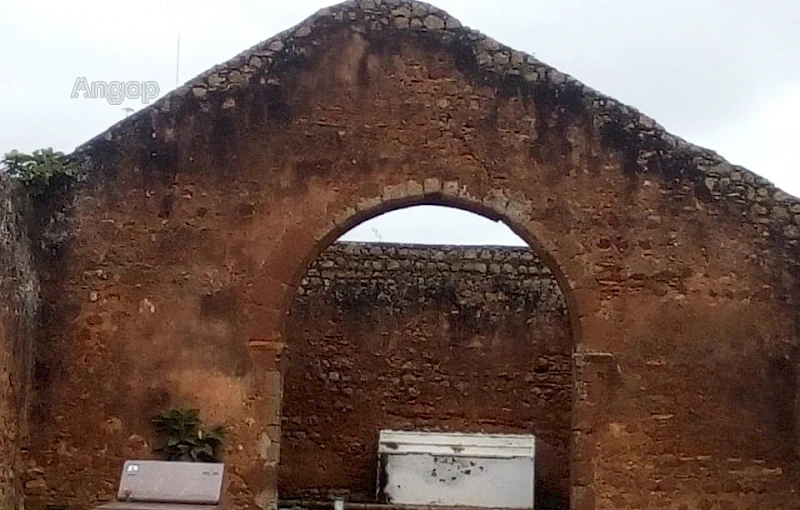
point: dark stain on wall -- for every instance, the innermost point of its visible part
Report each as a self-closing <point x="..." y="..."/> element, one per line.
<point x="19" y="325"/>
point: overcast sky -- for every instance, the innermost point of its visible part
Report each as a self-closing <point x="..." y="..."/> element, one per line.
<point x="724" y="74"/>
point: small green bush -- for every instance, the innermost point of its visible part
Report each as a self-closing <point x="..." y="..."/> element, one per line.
<point x="182" y="438"/>
<point x="40" y="168"/>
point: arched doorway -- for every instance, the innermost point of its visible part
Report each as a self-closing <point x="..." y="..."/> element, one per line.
<point x="463" y="337"/>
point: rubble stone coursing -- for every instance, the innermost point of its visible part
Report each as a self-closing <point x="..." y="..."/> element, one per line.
<point x="453" y="338"/>
<point x="643" y="144"/>
<point x="19" y="305"/>
<point x="399" y="276"/>
<point x="177" y="256"/>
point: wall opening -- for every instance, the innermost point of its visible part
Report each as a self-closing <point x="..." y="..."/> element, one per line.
<point x="409" y="329"/>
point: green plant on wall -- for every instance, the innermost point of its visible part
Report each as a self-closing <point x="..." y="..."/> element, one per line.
<point x="182" y="438"/>
<point x="40" y="168"/>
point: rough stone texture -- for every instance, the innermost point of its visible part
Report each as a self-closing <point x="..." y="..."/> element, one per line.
<point x="180" y="251"/>
<point x="19" y="302"/>
<point x="387" y="336"/>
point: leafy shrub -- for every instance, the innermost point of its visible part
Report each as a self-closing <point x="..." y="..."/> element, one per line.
<point x="182" y="438"/>
<point x="39" y="168"/>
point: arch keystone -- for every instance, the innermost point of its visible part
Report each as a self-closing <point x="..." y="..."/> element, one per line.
<point x="432" y="185"/>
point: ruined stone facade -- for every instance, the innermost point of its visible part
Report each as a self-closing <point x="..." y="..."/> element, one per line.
<point x="180" y="250"/>
<point x="19" y="314"/>
<point x="437" y="338"/>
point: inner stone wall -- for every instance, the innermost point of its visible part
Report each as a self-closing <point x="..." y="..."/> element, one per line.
<point x="19" y="301"/>
<point x="385" y="336"/>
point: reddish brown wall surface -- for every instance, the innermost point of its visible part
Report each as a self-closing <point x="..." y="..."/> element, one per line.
<point x="196" y="219"/>
<point x="440" y="338"/>
<point x="19" y="315"/>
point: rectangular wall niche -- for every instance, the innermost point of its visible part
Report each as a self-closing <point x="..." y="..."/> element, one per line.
<point x="453" y="469"/>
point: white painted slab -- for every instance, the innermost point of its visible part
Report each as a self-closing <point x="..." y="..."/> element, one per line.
<point x="171" y="482"/>
<point x="452" y="469"/>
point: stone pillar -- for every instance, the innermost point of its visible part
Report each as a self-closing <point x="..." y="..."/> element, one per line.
<point x="592" y="373"/>
<point x="267" y="395"/>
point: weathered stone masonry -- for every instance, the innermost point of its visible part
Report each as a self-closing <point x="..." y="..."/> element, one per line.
<point x="385" y="336"/>
<point x="196" y="219"/>
<point x="19" y="315"/>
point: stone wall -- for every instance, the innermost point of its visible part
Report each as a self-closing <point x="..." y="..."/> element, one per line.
<point x="198" y="216"/>
<point x="19" y="302"/>
<point x="383" y="336"/>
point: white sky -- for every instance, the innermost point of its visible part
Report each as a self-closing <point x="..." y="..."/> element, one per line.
<point x="721" y="73"/>
<point x="430" y="224"/>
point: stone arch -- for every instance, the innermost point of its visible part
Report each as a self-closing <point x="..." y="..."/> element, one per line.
<point x="495" y="206"/>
